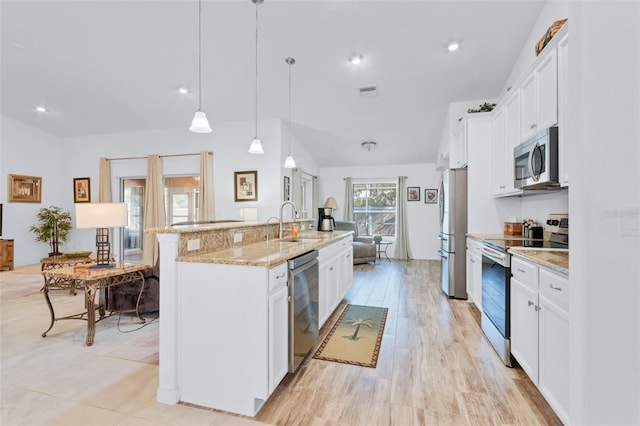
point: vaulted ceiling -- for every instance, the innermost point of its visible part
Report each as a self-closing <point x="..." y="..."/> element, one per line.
<point x="115" y="66"/>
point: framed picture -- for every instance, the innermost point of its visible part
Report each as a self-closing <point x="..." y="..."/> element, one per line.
<point x="287" y="188"/>
<point x="81" y="190"/>
<point x="246" y="185"/>
<point x="25" y="189"/>
<point x="413" y="193"/>
<point x="430" y="196"/>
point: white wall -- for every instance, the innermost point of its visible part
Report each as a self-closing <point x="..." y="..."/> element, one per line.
<point x="423" y="219"/>
<point x="604" y="204"/>
<point x="25" y="150"/>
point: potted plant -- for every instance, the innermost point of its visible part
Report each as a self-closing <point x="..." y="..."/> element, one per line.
<point x="53" y="228"/>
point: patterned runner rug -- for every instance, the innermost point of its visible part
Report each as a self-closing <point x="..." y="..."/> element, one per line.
<point x="355" y="337"/>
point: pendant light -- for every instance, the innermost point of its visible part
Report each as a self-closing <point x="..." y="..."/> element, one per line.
<point x="256" y="145"/>
<point x="288" y="162"/>
<point x="200" y="124"/>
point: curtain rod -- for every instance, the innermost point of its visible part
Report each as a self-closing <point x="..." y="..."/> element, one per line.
<point x="378" y="178"/>
<point x="161" y="156"/>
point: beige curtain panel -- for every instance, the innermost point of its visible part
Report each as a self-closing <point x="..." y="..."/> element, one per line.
<point x="207" y="209"/>
<point x="154" y="216"/>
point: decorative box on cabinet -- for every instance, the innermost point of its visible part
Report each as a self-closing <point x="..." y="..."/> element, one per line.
<point x="6" y="255"/>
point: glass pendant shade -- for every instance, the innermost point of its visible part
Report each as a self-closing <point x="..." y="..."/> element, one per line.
<point x="289" y="163"/>
<point x="200" y="124"/>
<point x="256" y="147"/>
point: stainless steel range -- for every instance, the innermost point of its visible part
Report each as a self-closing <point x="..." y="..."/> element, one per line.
<point x="496" y="278"/>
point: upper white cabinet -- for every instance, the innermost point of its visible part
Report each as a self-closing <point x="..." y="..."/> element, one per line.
<point x="563" y="82"/>
<point x="506" y="136"/>
<point x="539" y="96"/>
<point x="458" y="156"/>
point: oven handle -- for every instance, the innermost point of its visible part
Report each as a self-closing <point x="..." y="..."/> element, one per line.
<point x="495" y="255"/>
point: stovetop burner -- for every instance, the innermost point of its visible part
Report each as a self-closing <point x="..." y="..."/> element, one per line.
<point x="558" y="242"/>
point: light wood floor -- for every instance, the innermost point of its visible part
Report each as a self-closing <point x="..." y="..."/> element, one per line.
<point x="435" y="365"/>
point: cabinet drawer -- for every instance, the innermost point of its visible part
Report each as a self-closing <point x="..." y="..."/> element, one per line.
<point x="346" y="242"/>
<point x="554" y="287"/>
<point x="525" y="272"/>
<point x="278" y="277"/>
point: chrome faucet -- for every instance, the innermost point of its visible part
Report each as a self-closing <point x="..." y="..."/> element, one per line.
<point x="272" y="217"/>
<point x="295" y="213"/>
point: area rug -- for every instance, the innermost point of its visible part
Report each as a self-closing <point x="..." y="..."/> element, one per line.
<point x="355" y="337"/>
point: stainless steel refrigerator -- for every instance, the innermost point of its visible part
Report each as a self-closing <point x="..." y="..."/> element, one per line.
<point x="452" y="203"/>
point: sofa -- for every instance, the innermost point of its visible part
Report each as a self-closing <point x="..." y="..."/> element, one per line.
<point x="364" y="249"/>
<point x="124" y="297"/>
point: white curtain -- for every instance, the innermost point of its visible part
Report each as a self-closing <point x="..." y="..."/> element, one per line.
<point x="348" y="200"/>
<point x="104" y="190"/>
<point x="154" y="215"/>
<point x="403" y="251"/>
<point x="207" y="205"/>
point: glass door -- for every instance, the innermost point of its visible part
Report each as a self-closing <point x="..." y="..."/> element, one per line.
<point x="133" y="196"/>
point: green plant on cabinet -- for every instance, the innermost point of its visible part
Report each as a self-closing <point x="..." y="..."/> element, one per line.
<point x="53" y="227"/>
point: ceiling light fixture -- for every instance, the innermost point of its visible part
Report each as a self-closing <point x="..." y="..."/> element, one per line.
<point x="41" y="109"/>
<point x="356" y="59"/>
<point x="256" y="145"/>
<point x="369" y="145"/>
<point x="183" y="90"/>
<point x="200" y="124"/>
<point x="289" y="163"/>
<point x="453" y="46"/>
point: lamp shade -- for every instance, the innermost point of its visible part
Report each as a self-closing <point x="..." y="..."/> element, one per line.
<point x="331" y="203"/>
<point x="101" y="215"/>
<point x="200" y="124"/>
<point x="256" y="147"/>
<point x="289" y="163"/>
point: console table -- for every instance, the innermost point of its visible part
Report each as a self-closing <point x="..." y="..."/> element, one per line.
<point x="57" y="262"/>
<point x="93" y="281"/>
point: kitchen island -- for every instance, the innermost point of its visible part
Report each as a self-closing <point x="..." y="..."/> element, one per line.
<point x="223" y="301"/>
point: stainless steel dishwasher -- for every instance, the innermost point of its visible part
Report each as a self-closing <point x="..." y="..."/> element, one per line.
<point x="303" y="307"/>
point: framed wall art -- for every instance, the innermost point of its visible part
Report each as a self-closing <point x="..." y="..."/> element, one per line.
<point x="413" y="193"/>
<point x="430" y="196"/>
<point x="25" y="189"/>
<point x="287" y="188"/>
<point x="82" y="190"/>
<point x="246" y="185"/>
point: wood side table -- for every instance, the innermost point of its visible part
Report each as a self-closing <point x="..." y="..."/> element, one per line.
<point x="93" y="281"/>
<point x="58" y="262"/>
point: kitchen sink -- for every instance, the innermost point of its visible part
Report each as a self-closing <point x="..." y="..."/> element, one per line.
<point x="301" y="240"/>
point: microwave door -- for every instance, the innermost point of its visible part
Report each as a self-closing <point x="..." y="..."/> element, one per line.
<point x="536" y="162"/>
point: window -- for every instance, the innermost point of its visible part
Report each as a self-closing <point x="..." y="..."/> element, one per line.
<point x="374" y="208"/>
<point x="182" y="201"/>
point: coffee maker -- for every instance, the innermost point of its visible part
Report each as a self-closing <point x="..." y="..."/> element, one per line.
<point x="326" y="223"/>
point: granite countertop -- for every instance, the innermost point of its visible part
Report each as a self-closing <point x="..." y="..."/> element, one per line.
<point x="477" y="236"/>
<point x="216" y="225"/>
<point x="266" y="253"/>
<point x="557" y="261"/>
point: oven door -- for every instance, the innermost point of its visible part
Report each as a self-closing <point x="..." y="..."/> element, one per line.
<point x="496" y="276"/>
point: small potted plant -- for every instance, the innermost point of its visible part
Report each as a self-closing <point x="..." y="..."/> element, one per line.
<point x="53" y="228"/>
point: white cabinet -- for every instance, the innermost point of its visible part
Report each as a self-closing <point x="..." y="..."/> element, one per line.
<point x="540" y="330"/>
<point x="458" y="154"/>
<point x="539" y="96"/>
<point x="563" y="82"/>
<point x="498" y="152"/>
<point x="506" y="136"/>
<point x="474" y="271"/>
<point x="335" y="276"/>
<point x="278" y="325"/>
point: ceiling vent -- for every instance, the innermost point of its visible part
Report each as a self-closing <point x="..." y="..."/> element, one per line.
<point x="368" y="91"/>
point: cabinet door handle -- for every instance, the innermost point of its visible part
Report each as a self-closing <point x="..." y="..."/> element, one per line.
<point x="533" y="126"/>
<point x="521" y="270"/>
<point x="331" y="269"/>
<point x="281" y="276"/>
<point x="348" y="256"/>
<point x="472" y="260"/>
<point x="529" y="303"/>
<point x="554" y="288"/>
<point x="537" y="308"/>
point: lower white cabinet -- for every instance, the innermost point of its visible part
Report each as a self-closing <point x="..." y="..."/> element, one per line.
<point x="474" y="271"/>
<point x="335" y="276"/>
<point x="540" y="330"/>
<point x="233" y="332"/>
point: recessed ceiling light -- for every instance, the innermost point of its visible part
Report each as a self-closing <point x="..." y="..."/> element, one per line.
<point x="356" y="59"/>
<point x="41" y="109"/>
<point x="453" y="46"/>
<point x="183" y="90"/>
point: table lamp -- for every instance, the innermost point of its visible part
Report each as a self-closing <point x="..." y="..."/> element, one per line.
<point x="101" y="216"/>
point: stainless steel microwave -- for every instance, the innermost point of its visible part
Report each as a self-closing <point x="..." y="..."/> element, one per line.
<point x="536" y="161"/>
